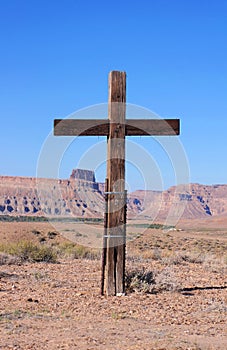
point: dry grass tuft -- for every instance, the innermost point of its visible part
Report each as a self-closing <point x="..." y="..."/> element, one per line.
<point x="29" y="251"/>
<point x="75" y="251"/>
<point x="18" y="252"/>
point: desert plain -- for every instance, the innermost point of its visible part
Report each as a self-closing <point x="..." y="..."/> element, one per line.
<point x="176" y="289"/>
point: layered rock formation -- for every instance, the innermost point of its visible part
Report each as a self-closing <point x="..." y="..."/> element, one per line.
<point x="31" y="196"/>
<point x="82" y="196"/>
<point x="189" y="201"/>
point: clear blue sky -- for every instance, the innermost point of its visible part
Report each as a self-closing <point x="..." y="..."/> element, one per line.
<point x="56" y="55"/>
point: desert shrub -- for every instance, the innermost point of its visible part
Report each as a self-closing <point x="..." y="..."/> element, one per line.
<point x="51" y="234"/>
<point x="7" y="259"/>
<point x="36" y="232"/>
<point x="166" y="281"/>
<point x="215" y="264"/>
<point x="139" y="281"/>
<point x="151" y="282"/>
<point x="157" y="254"/>
<point x="29" y="251"/>
<point x="78" y="234"/>
<point x="181" y="258"/>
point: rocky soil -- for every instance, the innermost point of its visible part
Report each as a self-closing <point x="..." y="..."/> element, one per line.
<point x="58" y="305"/>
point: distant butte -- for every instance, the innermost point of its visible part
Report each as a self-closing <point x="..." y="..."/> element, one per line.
<point x="82" y="196"/>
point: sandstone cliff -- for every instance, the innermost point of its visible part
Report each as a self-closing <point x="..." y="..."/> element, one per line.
<point x="82" y="196"/>
<point x="189" y="201"/>
<point x="31" y="196"/>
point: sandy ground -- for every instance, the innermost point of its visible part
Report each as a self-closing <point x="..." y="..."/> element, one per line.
<point x="58" y="306"/>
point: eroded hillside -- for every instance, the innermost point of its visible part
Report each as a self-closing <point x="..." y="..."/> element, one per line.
<point x="82" y="196"/>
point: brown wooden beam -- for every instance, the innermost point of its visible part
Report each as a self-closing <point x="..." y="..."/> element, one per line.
<point x="115" y="264"/>
<point x="81" y="127"/>
<point x="101" y="127"/>
<point x="143" y="127"/>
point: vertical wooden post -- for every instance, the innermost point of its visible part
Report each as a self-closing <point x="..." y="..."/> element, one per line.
<point x="115" y="273"/>
<point x="104" y="239"/>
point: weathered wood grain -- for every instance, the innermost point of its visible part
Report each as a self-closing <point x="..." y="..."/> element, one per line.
<point x="116" y="183"/>
<point x="101" y="127"/>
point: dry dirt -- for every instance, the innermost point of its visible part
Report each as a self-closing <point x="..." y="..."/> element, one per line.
<point x="58" y="306"/>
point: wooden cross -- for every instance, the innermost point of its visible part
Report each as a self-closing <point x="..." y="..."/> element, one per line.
<point x="116" y="127"/>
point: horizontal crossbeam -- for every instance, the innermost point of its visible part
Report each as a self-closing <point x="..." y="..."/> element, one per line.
<point x="100" y="127"/>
